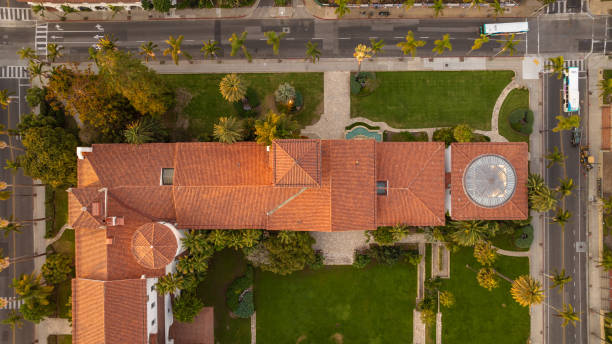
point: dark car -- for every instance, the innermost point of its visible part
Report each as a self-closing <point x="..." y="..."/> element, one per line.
<point x="576" y="134"/>
<point x="384" y="13"/>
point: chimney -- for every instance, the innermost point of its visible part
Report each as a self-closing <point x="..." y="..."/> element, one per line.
<point x="95" y="209"/>
<point x="115" y="221"/>
<point x="109" y="241"/>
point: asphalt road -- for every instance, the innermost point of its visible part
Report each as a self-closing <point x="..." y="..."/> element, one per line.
<point x="563" y="249"/>
<point x="21" y="244"/>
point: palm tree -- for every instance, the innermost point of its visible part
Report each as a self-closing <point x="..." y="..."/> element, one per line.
<point x="232" y="88"/>
<point x="239" y="43"/>
<point x="555" y="157"/>
<point x="535" y="182"/>
<point x="377" y="46"/>
<point x="140" y="131"/>
<point x="442" y="44"/>
<point x="475" y="3"/>
<point x="5" y="98"/>
<point x="4" y="185"/>
<point x="266" y="130"/>
<point x="26" y="54"/>
<point x="30" y="288"/>
<point x="10" y="228"/>
<point x="4" y="145"/>
<point x="408" y="4"/>
<point x="210" y="48"/>
<point x="5" y="262"/>
<point x="107" y="43"/>
<point x="12" y="165"/>
<point x="438" y="6"/>
<point x="148" y="50"/>
<point x="39" y="8"/>
<point x="54" y="51"/>
<point x="497" y="8"/>
<point x="542" y="200"/>
<point x="219" y="238"/>
<point x="169" y="283"/>
<point x="468" y="233"/>
<point x="312" y="52"/>
<point x="605" y="86"/>
<point x="557" y="65"/>
<point x="228" y="130"/>
<point x="559" y="279"/>
<point x="342" y="8"/>
<point x="5" y="222"/>
<point x="487" y="278"/>
<point x="250" y="237"/>
<point x="14" y="319"/>
<point x="410" y="45"/>
<point x="479" y="42"/>
<point x="362" y="52"/>
<point x="561" y="217"/>
<point x="606" y="260"/>
<point x="508" y="45"/>
<point x="565" y="187"/>
<point x="566" y="123"/>
<point x="174" y="49"/>
<point x="36" y="69"/>
<point x="527" y="291"/>
<point x="568" y="315"/>
<point x="274" y="40"/>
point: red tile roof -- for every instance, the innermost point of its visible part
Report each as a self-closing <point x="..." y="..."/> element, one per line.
<point x="109" y="311"/>
<point x="297" y="162"/>
<point x="462" y="207"/>
<point x="154" y="245"/>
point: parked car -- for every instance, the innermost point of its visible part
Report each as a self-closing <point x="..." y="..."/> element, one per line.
<point x="576" y="135"/>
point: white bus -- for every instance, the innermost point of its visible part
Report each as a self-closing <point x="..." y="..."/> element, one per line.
<point x="495" y="29"/>
<point x="571" y="94"/>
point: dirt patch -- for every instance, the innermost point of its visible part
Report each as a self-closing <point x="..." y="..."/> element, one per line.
<point x="301" y="339"/>
<point x="268" y="104"/>
<point x="338" y="338"/>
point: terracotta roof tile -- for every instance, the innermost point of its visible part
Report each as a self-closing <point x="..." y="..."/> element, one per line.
<point x="462" y="207"/>
<point x="109" y="311"/>
<point x="155" y="202"/>
<point x="352" y="168"/>
<point x="297" y="162"/>
<point x="154" y="245"/>
<point x="86" y="175"/>
<point x="90" y="253"/>
<point x="309" y="211"/>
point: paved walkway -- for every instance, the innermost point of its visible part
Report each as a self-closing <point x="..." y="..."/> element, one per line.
<point x="254" y="328"/>
<point x="419" y="330"/>
<point x="338" y="248"/>
<point x="337" y="108"/>
<point x="51" y="326"/>
<point x="513" y="253"/>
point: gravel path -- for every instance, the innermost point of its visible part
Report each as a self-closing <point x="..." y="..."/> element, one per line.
<point x="338" y="248"/>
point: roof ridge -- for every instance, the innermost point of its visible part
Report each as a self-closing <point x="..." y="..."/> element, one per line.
<point x="285" y="202"/>
<point x="418" y="175"/>
<point x="426" y="206"/>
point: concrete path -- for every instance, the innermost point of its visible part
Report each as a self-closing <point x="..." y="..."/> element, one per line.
<point x="51" y="326"/>
<point x="439" y="328"/>
<point x="337" y="108"/>
<point x="419" y="330"/>
<point x="338" y="248"/>
<point x="513" y="253"/>
<point x="254" y="328"/>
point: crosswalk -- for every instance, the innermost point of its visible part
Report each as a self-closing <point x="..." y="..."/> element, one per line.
<point x="569" y="63"/>
<point x="13" y="303"/>
<point x="40" y="38"/>
<point x="15" y="13"/>
<point x="14" y="72"/>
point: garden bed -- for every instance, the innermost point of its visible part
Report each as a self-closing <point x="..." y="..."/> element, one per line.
<point x="406" y="136"/>
<point x="56" y="209"/>
<point x="433" y="99"/>
<point x="63" y="291"/>
<point x="518" y="98"/>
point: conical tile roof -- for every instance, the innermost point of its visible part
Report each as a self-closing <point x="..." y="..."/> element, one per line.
<point x="154" y="245"/>
<point x="297" y="163"/>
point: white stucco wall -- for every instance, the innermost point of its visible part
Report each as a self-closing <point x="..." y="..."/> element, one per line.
<point x="178" y="234"/>
<point x="91" y="5"/>
<point x="152" y="321"/>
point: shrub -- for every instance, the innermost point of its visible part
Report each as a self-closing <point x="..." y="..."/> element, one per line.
<point x="444" y="135"/>
<point x="362" y="124"/>
<point x="284" y="93"/>
<point x="462" y="133"/>
<point x="389" y="255"/>
<point x="406" y="136"/>
<point x="318" y="261"/>
<point x="186" y="307"/>
<point x="35" y="311"/>
<point x="525" y="237"/>
<point x="238" y="286"/>
<point x="480" y="138"/>
<point x="162" y="6"/>
<point x="35" y="96"/>
<point x="413" y="257"/>
<point x="146" y="4"/>
<point x="246" y="308"/>
<point x="68" y="9"/>
<point x="382" y="236"/>
<point x="521" y="121"/>
<point x="57" y="268"/>
<point x="363" y="81"/>
<point x="361" y="260"/>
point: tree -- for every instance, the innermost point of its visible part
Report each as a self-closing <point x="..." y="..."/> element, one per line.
<point x="285" y="94"/>
<point x="274" y="40"/>
<point x="559" y="279"/>
<point x="561" y="217"/>
<point x="35" y="96"/>
<point x="527" y="291"/>
<point x="557" y="65"/>
<point x="468" y="233"/>
<point x="542" y="200"/>
<point x="566" y="123"/>
<point x="388" y="235"/>
<point x="565" y="187"/>
<point x="438" y="6"/>
<point x="484" y="253"/>
<point x="14" y="319"/>
<point x="535" y="182"/>
<point x="508" y="45"/>
<point x="148" y="50"/>
<point x="274" y="127"/>
<point x="210" y="48"/>
<point x="170" y="283"/>
<point x="442" y="44"/>
<point x="115" y="9"/>
<point x="410" y="45"/>
<point x="463" y="133"/>
<point x="605" y="86"/>
<point x="30" y="289"/>
<point x="57" y="268"/>
<point x="287" y="252"/>
<point x="8" y="227"/>
<point x="5" y="99"/>
<point x="186" y="307"/>
<point x="107" y="43"/>
<point x="239" y="43"/>
<point x="26" y="54"/>
<point x="408" y="4"/>
<point x="232" y="88"/>
<point x="497" y="8"/>
<point x="49" y="156"/>
<point x="362" y="52"/>
<point x="36" y="69"/>
<point x="193" y="264"/>
<point x="228" y="130"/>
<point x="162" y="6"/>
<point x="475" y="3"/>
<point x="447" y="299"/>
<point x="555" y="157"/>
<point x="35" y="311"/>
<point x="54" y="51"/>
<point x="342" y="8"/>
<point x="377" y="46"/>
<point x="606" y="260"/>
<point x="487" y="278"/>
<point x="312" y="52"/>
<point x="174" y="49"/>
<point x="478" y="43"/>
<point x="568" y="314"/>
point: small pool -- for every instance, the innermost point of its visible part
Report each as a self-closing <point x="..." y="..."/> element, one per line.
<point x="361" y="133"/>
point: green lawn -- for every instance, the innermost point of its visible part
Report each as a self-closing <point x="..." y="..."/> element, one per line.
<point x="207" y="104"/>
<point x="224" y="267"/>
<point x="56" y="209"/>
<point x="433" y="99"/>
<point x="481" y="316"/>
<point x="339" y="304"/>
<point x="517" y="98"/>
<point x="59" y="339"/>
<point x="506" y="241"/>
<point x="62" y="291"/>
